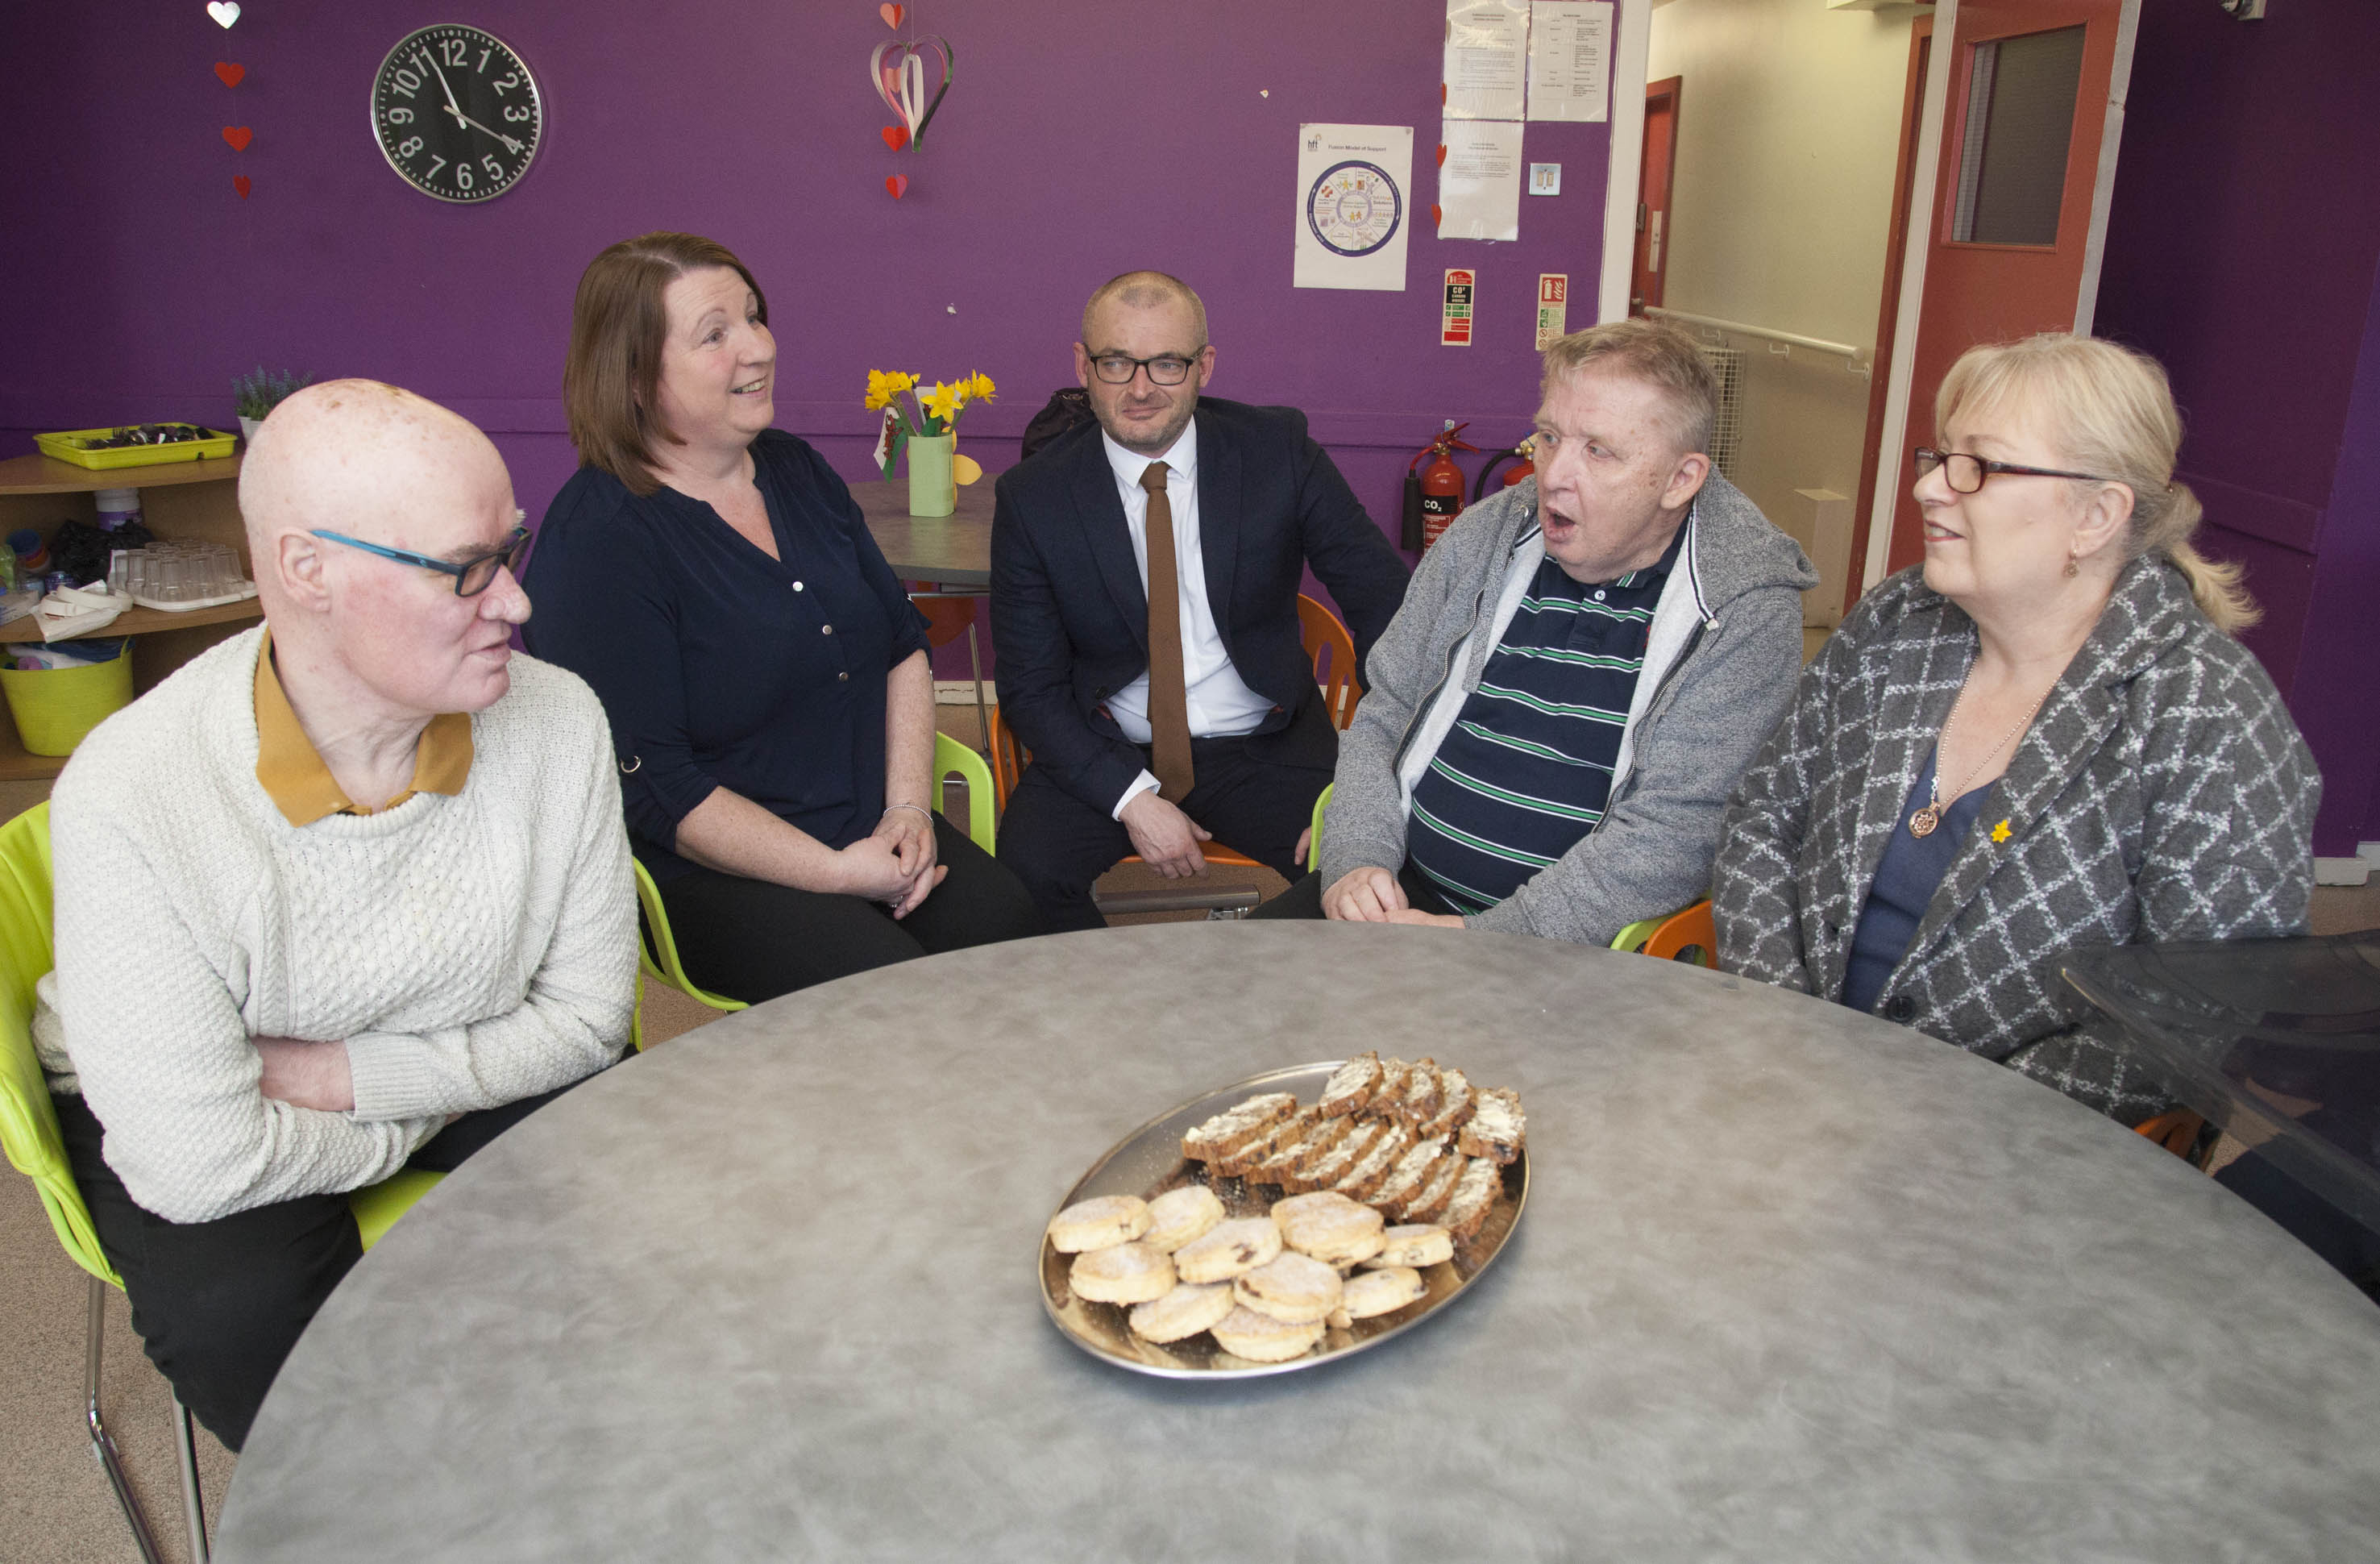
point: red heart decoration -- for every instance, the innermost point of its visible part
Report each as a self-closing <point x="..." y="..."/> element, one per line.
<point x="239" y="183"/>
<point x="1442" y="155"/>
<point x="239" y="136"/>
<point x="231" y="74"/>
<point x="897" y="186"/>
<point x="891" y="14"/>
<point x="1438" y="216"/>
<point x="894" y="137"/>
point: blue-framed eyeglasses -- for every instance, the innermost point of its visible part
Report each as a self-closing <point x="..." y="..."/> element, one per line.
<point x="472" y="575"/>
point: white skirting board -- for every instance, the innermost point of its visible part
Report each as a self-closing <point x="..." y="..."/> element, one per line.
<point x="961" y="692"/>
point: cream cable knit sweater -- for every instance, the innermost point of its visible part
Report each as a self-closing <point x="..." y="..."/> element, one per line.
<point x="471" y="951"/>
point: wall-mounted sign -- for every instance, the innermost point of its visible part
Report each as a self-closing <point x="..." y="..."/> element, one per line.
<point x="1553" y="306"/>
<point x="1352" y="208"/>
<point x="1454" y="327"/>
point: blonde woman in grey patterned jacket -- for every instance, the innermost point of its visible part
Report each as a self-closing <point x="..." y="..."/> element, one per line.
<point x="2056" y="699"/>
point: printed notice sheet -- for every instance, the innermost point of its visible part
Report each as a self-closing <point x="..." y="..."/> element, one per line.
<point x="1355" y="205"/>
<point x="1479" y="183"/>
<point x="1569" y="60"/>
<point x="1487" y="54"/>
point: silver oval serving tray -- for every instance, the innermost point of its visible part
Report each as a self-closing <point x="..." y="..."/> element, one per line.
<point x="1149" y="1161"/>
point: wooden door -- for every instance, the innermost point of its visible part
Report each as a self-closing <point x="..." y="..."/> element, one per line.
<point x="1652" y="259"/>
<point x="2012" y="240"/>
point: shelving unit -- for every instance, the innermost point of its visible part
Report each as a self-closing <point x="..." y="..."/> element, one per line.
<point x="195" y="500"/>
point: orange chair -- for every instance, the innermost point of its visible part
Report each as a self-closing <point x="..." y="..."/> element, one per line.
<point x="2176" y="1131"/>
<point x="1334" y="651"/>
<point x="1686" y="936"/>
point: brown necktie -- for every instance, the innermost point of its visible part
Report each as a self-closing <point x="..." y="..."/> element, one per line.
<point x="1169" y="698"/>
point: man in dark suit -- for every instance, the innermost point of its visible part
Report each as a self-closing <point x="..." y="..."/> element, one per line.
<point x="1159" y="719"/>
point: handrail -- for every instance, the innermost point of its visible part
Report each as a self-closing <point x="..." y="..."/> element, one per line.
<point x="1794" y="338"/>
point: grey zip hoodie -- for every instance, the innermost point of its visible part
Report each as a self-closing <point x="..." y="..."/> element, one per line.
<point x="1724" y="649"/>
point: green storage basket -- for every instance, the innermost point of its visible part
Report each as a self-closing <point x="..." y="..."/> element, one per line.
<point x="55" y="707"/>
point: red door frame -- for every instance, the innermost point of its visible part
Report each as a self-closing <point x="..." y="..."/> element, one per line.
<point x="1646" y="286"/>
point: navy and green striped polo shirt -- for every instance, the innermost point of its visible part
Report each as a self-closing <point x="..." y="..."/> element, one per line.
<point x="1527" y="768"/>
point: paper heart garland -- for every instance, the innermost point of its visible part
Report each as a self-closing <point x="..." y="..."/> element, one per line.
<point x="225" y="12"/>
<point x="896" y="185"/>
<point x="897" y="72"/>
<point x="894" y="137"/>
<point x="892" y="14"/>
<point x="239" y="136"/>
<point x="241" y="183"/>
<point x="231" y="74"/>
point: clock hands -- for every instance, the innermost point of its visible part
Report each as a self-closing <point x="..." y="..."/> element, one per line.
<point x="455" y="109"/>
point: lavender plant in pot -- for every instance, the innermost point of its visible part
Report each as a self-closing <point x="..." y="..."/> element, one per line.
<point x="254" y="396"/>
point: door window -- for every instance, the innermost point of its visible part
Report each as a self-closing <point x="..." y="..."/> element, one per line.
<point x="2020" y="121"/>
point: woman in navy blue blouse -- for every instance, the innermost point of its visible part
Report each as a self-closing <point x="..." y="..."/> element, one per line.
<point x="766" y="677"/>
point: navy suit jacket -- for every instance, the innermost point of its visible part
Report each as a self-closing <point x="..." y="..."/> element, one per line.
<point x="1070" y="615"/>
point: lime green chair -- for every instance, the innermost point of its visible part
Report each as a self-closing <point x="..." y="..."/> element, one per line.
<point x="658" y="949"/>
<point x="1313" y="842"/>
<point x="29" y="1131"/>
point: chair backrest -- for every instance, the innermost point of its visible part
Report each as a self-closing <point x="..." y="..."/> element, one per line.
<point x="954" y="759"/>
<point x="29" y="1124"/>
<point x="659" y="948"/>
<point x="1689" y="935"/>
<point x="1008" y="758"/>
<point x="948" y="613"/>
<point x="1334" y="651"/>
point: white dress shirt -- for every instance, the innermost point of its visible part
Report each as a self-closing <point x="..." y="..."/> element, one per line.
<point x="1220" y="705"/>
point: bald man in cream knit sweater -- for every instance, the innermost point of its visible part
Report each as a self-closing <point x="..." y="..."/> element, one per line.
<point x="344" y="893"/>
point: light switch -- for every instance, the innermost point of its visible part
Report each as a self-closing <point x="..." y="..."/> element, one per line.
<point x="1544" y="179"/>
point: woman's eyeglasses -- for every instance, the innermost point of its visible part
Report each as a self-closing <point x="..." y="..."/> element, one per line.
<point x="472" y="575"/>
<point x="1966" y="473"/>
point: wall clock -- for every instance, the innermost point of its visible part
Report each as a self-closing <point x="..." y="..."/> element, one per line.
<point x="456" y="113"/>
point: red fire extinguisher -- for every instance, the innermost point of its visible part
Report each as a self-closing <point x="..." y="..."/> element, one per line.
<point x="1525" y="467"/>
<point x="1434" y="494"/>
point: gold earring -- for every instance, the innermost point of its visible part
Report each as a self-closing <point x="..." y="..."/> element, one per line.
<point x="2074" y="567"/>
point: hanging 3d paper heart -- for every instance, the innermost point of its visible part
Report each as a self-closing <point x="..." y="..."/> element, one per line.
<point x="897" y="72"/>
<point x="225" y="12"/>
<point x="896" y="185"/>
<point x="239" y="136"/>
<point x="239" y="182"/>
<point x="231" y="74"/>
<point x="894" y="137"/>
<point x="892" y="14"/>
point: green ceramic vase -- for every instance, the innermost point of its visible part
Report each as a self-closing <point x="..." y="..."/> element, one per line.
<point x="932" y="490"/>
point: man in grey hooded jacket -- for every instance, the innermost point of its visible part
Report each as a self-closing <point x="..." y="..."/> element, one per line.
<point x="1582" y="668"/>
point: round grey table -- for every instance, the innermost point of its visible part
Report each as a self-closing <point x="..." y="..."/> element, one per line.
<point x="1791" y="1284"/>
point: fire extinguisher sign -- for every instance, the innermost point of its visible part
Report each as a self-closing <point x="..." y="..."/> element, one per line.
<point x="1553" y="306"/>
<point x="1455" y="328"/>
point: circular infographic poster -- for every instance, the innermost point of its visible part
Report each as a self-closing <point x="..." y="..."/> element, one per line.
<point x="1353" y="207"/>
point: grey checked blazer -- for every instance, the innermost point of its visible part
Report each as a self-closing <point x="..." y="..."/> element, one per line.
<point x="2162" y="793"/>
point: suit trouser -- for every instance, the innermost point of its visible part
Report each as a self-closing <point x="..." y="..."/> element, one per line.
<point x="1058" y="845"/>
<point x="219" y="1304"/>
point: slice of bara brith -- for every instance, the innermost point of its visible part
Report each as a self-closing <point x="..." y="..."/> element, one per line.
<point x="1280" y="1133"/>
<point x="1454" y="1105"/>
<point x="1235" y="1127"/>
<point x="1435" y="1192"/>
<point x="1281" y="1166"/>
<point x="1405" y="1178"/>
<point x="1497" y="1129"/>
<point x="1321" y="1172"/>
<point x="1482" y="1180"/>
<point x="1351" y="1086"/>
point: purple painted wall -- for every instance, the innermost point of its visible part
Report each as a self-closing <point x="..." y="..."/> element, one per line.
<point x="2243" y="247"/>
<point x="1081" y="139"/>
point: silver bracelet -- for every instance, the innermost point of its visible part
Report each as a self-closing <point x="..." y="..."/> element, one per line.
<point x="921" y="809"/>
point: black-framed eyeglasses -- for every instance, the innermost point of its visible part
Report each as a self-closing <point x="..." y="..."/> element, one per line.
<point x="472" y="575"/>
<point x="1166" y="369"/>
<point x="1966" y="473"/>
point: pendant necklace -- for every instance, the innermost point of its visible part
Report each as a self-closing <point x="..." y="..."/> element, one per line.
<point x="1922" y="823"/>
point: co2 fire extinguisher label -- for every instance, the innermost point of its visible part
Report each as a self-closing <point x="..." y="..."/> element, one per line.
<point x="1455" y="328"/>
<point x="1553" y="306"/>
